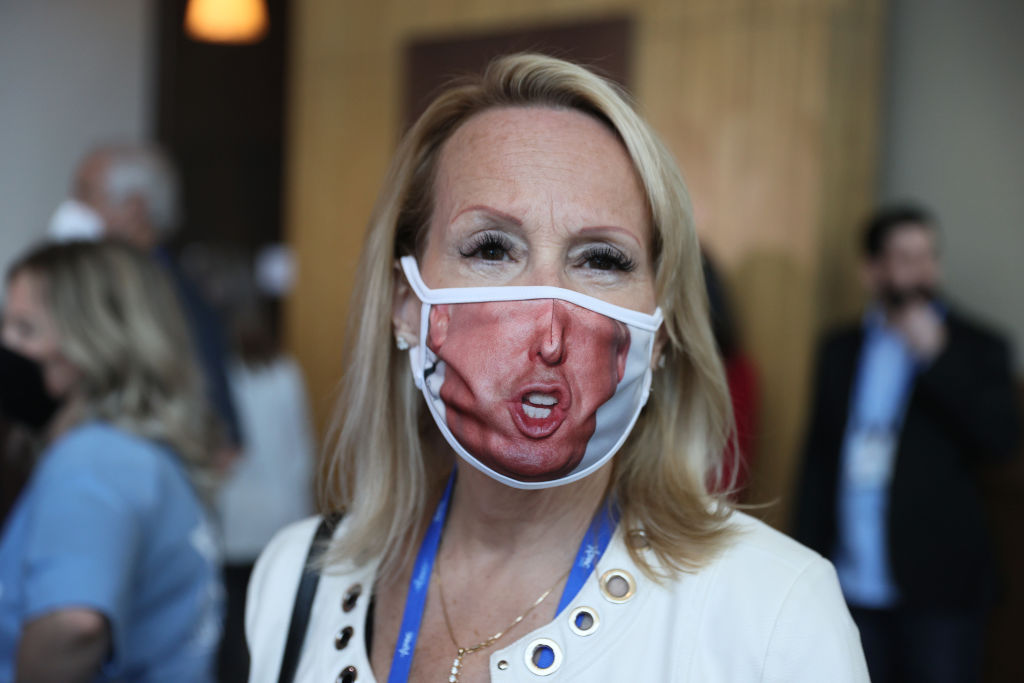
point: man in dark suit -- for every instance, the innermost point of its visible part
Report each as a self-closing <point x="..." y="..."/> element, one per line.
<point x="909" y="403"/>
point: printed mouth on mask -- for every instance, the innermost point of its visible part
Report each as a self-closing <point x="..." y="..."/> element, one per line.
<point x="539" y="405"/>
<point x="540" y="410"/>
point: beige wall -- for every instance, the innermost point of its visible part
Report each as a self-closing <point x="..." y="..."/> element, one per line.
<point x="954" y="98"/>
<point x="72" y="74"/>
<point x="769" y="106"/>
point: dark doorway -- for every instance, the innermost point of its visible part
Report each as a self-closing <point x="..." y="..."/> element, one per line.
<point x="604" y="45"/>
<point x="220" y="113"/>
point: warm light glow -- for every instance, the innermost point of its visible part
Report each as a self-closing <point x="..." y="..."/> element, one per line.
<point x="227" y="21"/>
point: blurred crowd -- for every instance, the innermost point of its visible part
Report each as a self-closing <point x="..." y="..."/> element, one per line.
<point x="155" y="436"/>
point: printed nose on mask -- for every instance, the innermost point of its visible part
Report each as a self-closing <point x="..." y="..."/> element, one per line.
<point x="553" y="323"/>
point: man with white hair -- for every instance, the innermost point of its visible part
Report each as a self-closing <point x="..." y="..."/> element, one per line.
<point x="130" y="193"/>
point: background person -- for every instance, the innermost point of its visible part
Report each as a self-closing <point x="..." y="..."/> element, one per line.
<point x="130" y="193"/>
<point x="271" y="485"/>
<point x="25" y="407"/>
<point x="909" y="404"/>
<point x="741" y="377"/>
<point x="107" y="562"/>
<point x="540" y="174"/>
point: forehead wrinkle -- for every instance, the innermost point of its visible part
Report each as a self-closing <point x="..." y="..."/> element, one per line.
<point x="592" y="149"/>
<point x="486" y="163"/>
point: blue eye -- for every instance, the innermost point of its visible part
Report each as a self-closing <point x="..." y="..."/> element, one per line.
<point x="605" y="257"/>
<point x="487" y="246"/>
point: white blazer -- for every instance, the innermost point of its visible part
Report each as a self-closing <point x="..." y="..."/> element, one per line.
<point x="765" y="609"/>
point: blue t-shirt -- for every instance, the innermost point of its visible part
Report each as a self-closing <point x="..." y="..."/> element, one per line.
<point x="110" y="522"/>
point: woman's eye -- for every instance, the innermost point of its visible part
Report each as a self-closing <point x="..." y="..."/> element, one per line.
<point x="607" y="258"/>
<point x="487" y="247"/>
<point x="492" y="252"/>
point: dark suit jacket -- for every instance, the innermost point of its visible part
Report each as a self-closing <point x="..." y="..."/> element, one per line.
<point x="961" y="414"/>
<point x="210" y="348"/>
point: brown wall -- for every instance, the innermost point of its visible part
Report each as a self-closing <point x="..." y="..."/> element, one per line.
<point x="769" y="105"/>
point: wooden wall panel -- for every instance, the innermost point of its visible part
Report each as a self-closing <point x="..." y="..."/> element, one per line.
<point x="769" y="105"/>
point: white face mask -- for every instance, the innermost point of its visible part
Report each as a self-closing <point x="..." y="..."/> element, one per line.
<point x="534" y="386"/>
<point x="74" y="220"/>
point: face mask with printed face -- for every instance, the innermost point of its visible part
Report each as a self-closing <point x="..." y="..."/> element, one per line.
<point x="534" y="386"/>
<point x="75" y="220"/>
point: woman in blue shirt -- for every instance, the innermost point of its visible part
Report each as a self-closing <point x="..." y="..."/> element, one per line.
<point x="107" y="564"/>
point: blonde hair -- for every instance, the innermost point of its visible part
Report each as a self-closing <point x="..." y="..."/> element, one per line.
<point x="380" y="471"/>
<point x="122" y="328"/>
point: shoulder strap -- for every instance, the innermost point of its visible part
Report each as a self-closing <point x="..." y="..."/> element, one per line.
<point x="304" y="599"/>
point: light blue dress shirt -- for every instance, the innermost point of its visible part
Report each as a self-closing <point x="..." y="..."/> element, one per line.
<point x="882" y="387"/>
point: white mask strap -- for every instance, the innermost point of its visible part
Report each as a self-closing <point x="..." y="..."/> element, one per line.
<point x="466" y="295"/>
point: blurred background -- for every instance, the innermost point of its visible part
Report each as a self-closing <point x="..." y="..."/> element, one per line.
<point x="791" y="120"/>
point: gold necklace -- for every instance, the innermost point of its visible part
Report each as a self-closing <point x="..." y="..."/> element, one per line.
<point x="483" y="644"/>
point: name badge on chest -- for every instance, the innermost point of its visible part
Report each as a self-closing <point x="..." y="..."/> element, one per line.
<point x="870" y="459"/>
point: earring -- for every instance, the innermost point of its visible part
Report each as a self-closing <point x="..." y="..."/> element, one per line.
<point x="401" y="343"/>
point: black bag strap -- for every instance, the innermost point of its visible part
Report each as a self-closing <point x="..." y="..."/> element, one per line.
<point x="304" y="599"/>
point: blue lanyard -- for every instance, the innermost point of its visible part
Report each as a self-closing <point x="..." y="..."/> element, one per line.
<point x="419" y="584"/>
<point x="592" y="547"/>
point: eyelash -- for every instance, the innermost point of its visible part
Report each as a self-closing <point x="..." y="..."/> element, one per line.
<point x="489" y="241"/>
<point x="616" y="258"/>
<point x="485" y="242"/>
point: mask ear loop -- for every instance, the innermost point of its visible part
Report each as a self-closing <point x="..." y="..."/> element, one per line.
<point x="464" y="295"/>
<point x="418" y="353"/>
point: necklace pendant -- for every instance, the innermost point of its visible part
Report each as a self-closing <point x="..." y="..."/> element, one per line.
<point x="456" y="666"/>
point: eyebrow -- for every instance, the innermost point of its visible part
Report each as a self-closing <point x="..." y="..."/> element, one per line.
<point x="611" y="228"/>
<point x="499" y="216"/>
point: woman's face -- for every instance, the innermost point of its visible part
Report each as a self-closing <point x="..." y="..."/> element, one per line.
<point x="534" y="196"/>
<point x="538" y="196"/>
<point x="30" y="329"/>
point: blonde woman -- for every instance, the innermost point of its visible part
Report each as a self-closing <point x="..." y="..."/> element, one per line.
<point x="532" y="252"/>
<point x="106" y="561"/>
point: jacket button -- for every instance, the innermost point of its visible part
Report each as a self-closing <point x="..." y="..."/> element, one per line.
<point x="617" y="585"/>
<point x="351" y="596"/>
<point x="342" y="638"/>
<point x="348" y="675"/>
